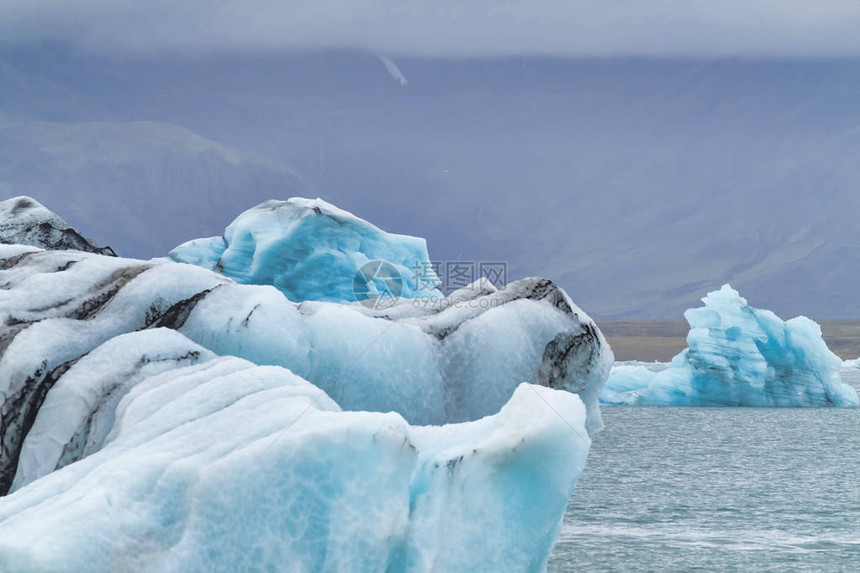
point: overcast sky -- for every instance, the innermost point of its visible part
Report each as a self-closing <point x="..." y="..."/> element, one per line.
<point x="446" y="28"/>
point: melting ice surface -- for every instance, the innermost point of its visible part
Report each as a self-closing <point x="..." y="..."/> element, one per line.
<point x="162" y="417"/>
<point x="738" y="356"/>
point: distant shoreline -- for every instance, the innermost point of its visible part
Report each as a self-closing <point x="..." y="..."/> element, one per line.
<point x="660" y="340"/>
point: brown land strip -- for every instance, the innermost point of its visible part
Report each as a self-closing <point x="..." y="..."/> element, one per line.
<point x="650" y="340"/>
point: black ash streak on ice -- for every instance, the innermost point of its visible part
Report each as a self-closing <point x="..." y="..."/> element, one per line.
<point x="19" y="409"/>
<point x="565" y="358"/>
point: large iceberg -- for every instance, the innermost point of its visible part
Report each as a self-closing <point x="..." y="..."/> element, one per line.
<point x="160" y="416"/>
<point x="738" y="356"/>
<point x="310" y="250"/>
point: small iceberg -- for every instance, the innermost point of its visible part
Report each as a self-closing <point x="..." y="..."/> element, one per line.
<point x="738" y="356"/>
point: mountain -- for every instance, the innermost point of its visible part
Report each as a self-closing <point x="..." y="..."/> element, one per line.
<point x="638" y="185"/>
<point x="110" y="177"/>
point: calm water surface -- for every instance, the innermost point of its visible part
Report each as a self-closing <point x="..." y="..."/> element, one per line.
<point x="718" y="489"/>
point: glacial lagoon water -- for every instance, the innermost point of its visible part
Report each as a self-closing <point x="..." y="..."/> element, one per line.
<point x="718" y="489"/>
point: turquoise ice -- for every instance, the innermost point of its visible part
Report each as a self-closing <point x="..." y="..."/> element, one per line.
<point x="738" y="355"/>
<point x="310" y="250"/>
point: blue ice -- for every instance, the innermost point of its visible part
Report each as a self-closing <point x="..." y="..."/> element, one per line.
<point x="311" y="250"/>
<point x="738" y="355"/>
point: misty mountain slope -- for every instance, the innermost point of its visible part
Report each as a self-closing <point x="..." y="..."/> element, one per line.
<point x="639" y="185"/>
<point x="783" y="228"/>
<point x="135" y="183"/>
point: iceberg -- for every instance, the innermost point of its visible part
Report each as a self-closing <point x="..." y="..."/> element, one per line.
<point x="454" y="361"/>
<point x="160" y="415"/>
<point x="310" y="250"/>
<point x="738" y="356"/>
<point x="157" y="455"/>
<point x="458" y="360"/>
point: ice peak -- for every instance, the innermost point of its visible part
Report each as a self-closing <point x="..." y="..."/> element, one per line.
<point x="25" y="221"/>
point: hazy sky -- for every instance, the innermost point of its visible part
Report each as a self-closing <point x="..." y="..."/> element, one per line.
<point x="447" y="28"/>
